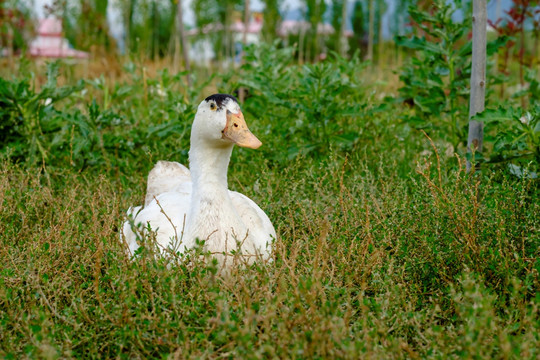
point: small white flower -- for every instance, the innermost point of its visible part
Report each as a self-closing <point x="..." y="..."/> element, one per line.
<point x="526" y="119"/>
<point x="158" y="90"/>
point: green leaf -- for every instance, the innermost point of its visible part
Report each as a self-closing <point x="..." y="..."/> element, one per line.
<point x="417" y="43"/>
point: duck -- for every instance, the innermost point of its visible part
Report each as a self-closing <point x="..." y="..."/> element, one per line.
<point x="184" y="206"/>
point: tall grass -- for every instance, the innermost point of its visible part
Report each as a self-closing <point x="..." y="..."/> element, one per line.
<point x="386" y="248"/>
<point x="368" y="263"/>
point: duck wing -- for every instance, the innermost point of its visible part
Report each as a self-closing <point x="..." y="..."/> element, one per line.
<point x="167" y="176"/>
<point x="168" y="195"/>
<point x="165" y="215"/>
<point x="256" y="220"/>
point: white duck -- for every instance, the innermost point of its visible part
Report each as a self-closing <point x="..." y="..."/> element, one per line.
<point x="182" y="206"/>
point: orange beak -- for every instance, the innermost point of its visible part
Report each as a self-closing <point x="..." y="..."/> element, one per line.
<point x="236" y="130"/>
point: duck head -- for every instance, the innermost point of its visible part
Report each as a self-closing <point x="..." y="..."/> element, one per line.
<point x="219" y="122"/>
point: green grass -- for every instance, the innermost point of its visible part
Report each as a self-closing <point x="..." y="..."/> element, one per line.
<point x="386" y="248"/>
<point x="367" y="264"/>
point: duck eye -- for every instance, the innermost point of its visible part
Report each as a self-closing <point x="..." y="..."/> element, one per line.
<point x="212" y="106"/>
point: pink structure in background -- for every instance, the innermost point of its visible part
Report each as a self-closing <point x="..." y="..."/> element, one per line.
<point x="50" y="42"/>
<point x="254" y="27"/>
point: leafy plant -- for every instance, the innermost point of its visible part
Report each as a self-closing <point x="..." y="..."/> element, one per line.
<point x="514" y="26"/>
<point x="436" y="81"/>
<point x="532" y="92"/>
<point x="14" y="25"/>
<point x="28" y="118"/>
<point x="315" y="103"/>
<point x="513" y="132"/>
<point x="122" y="121"/>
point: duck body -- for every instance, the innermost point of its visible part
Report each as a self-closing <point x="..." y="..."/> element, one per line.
<point x="182" y="206"/>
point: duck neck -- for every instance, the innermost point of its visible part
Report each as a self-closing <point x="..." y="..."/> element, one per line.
<point x="212" y="216"/>
<point x="208" y="167"/>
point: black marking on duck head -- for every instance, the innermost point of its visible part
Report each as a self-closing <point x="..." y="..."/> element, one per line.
<point x="221" y="99"/>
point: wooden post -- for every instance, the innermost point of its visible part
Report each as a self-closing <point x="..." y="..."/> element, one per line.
<point x="380" y="34"/>
<point x="182" y="35"/>
<point x="371" y="30"/>
<point x="478" y="78"/>
<point x="246" y="22"/>
<point x="301" y="45"/>
<point x="10" y="36"/>
<point x="342" y="44"/>
<point x="241" y="91"/>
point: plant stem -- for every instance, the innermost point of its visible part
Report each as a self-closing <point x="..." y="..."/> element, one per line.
<point x="452" y="76"/>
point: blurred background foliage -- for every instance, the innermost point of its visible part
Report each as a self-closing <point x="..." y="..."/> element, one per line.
<point x="311" y="85"/>
<point x="149" y="27"/>
<point x="320" y="91"/>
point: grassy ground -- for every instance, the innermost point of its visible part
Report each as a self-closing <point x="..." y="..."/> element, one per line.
<point x="386" y="249"/>
<point x="367" y="264"/>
